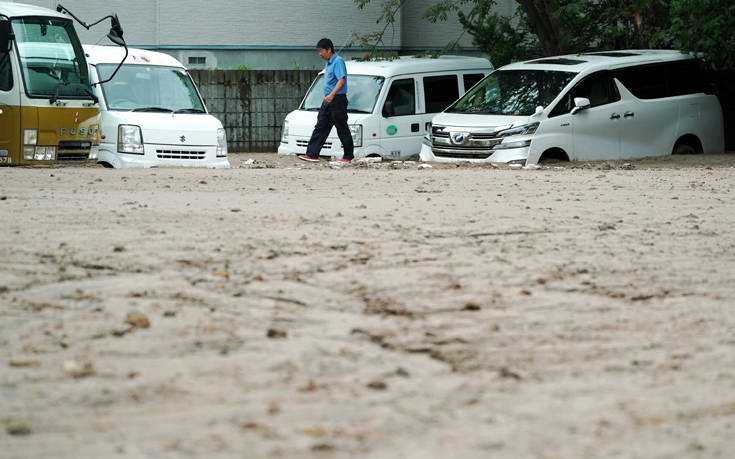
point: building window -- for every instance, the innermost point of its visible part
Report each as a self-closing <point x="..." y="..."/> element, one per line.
<point x="197" y="60"/>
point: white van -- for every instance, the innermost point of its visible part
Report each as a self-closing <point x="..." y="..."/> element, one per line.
<point x="390" y="104"/>
<point x="595" y="106"/>
<point x="152" y="113"/>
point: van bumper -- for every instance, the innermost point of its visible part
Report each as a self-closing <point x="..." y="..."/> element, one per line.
<point x="495" y="156"/>
<point x="292" y="148"/>
<point x="163" y="156"/>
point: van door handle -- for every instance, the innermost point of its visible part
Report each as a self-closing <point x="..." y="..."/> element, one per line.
<point x="415" y="127"/>
<point x="629" y="114"/>
<point x="615" y="116"/>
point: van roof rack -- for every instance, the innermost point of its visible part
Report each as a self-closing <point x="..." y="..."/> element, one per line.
<point x="558" y="61"/>
<point x="613" y="54"/>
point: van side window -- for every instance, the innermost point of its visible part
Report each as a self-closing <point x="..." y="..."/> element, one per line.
<point x="598" y="88"/>
<point x="439" y="92"/>
<point x="687" y="77"/>
<point x="471" y="79"/>
<point x="401" y="99"/>
<point x="647" y="82"/>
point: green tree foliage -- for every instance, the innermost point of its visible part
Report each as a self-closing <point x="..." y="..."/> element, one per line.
<point x="706" y="26"/>
<point x="550" y="27"/>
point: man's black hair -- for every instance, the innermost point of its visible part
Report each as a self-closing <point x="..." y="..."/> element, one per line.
<point x="325" y="43"/>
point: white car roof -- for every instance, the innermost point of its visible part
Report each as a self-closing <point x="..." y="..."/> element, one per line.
<point x="113" y="55"/>
<point x="412" y="64"/>
<point x="19" y="9"/>
<point x="578" y="63"/>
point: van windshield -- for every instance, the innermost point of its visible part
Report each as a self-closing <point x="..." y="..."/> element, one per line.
<point x="149" y="88"/>
<point x="362" y="93"/>
<point x="51" y="58"/>
<point x="513" y="92"/>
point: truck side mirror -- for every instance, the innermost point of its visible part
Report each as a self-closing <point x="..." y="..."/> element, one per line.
<point x="116" y="31"/>
<point x="5" y="36"/>
<point x="388" y="109"/>
<point x="580" y="103"/>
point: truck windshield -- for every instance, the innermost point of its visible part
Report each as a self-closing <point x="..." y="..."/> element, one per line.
<point x="362" y="93"/>
<point x="149" y="88"/>
<point x="513" y="92"/>
<point x="51" y="58"/>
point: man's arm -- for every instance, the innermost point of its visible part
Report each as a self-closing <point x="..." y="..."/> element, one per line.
<point x="328" y="98"/>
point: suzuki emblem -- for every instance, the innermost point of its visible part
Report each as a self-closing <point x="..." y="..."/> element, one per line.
<point x="76" y="117"/>
<point x="182" y="138"/>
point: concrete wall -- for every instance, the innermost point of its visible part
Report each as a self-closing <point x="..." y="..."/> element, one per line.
<point x="252" y="104"/>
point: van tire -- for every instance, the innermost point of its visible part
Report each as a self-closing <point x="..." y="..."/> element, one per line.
<point x="554" y="155"/>
<point x="687" y="146"/>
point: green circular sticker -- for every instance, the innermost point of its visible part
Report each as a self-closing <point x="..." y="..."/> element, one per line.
<point x="391" y="130"/>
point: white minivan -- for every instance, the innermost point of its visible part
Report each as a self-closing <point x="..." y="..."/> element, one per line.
<point x="593" y="106"/>
<point x="151" y="112"/>
<point x="390" y="104"/>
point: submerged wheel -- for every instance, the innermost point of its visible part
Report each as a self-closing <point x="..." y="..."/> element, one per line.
<point x="684" y="149"/>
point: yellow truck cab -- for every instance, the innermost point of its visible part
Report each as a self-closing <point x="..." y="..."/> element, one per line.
<point x="48" y="109"/>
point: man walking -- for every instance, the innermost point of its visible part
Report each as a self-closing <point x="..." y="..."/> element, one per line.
<point x="333" y="111"/>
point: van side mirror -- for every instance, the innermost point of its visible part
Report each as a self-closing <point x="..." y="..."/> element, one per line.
<point x="580" y="103"/>
<point x="5" y="36"/>
<point x="388" y="109"/>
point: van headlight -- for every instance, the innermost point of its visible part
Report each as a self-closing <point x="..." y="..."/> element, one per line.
<point x="356" y="130"/>
<point x="221" y="143"/>
<point x="526" y="129"/>
<point x="130" y="139"/>
<point x="284" y="134"/>
<point x="516" y="144"/>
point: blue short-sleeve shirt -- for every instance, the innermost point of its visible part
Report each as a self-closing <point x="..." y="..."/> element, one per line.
<point x="334" y="71"/>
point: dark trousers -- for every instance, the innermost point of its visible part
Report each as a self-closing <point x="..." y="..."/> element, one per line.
<point x="332" y="114"/>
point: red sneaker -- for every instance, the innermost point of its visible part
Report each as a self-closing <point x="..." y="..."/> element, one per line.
<point x="344" y="160"/>
<point x="308" y="158"/>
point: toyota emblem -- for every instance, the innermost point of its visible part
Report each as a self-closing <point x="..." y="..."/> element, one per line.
<point x="459" y="137"/>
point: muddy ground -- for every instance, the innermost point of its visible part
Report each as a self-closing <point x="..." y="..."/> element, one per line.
<point x="285" y="309"/>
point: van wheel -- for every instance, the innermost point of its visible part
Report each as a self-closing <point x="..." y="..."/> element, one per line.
<point x="684" y="149"/>
<point x="553" y="155"/>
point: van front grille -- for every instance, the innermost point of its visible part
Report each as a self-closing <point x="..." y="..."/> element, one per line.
<point x="180" y="154"/>
<point x="305" y="143"/>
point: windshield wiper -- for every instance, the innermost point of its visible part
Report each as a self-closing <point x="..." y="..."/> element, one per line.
<point x="353" y="110"/>
<point x="152" y="109"/>
<point x="57" y="96"/>
<point x="189" y="110"/>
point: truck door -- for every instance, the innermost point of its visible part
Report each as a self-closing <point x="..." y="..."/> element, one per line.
<point x="400" y="126"/>
<point x="9" y="111"/>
